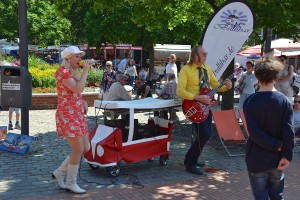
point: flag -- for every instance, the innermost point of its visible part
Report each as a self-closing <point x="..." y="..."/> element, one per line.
<point x="225" y="34"/>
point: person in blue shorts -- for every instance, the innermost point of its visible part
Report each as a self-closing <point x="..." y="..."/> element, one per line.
<point x="11" y="110"/>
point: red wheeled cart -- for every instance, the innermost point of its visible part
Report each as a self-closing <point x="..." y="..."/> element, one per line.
<point x="126" y="139"/>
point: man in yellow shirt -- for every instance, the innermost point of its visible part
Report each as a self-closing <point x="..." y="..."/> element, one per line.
<point x="189" y="85"/>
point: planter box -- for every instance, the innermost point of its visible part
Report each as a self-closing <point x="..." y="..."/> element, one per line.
<point x="42" y="101"/>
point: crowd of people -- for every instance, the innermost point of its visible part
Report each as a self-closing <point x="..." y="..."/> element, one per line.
<point x="271" y="111"/>
<point x="139" y="78"/>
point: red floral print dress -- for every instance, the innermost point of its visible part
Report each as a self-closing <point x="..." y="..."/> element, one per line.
<point x="70" y="119"/>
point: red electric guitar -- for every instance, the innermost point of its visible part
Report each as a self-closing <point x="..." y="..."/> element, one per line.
<point x="197" y="111"/>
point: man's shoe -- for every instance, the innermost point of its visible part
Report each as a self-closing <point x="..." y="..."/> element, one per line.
<point x="17" y="126"/>
<point x="10" y="126"/>
<point x="197" y="164"/>
<point x="194" y="169"/>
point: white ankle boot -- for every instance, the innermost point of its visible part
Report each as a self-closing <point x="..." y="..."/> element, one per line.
<point x="71" y="185"/>
<point x="60" y="172"/>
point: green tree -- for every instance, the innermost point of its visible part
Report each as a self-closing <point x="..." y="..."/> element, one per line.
<point x="8" y="20"/>
<point x="147" y="22"/>
<point x="76" y="15"/>
<point x="281" y="17"/>
<point x="44" y="21"/>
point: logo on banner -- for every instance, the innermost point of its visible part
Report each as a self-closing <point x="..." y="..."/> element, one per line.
<point x="233" y="21"/>
<point x="226" y="33"/>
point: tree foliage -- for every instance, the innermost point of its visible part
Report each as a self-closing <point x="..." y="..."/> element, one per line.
<point x="44" y="21"/>
<point x="281" y="16"/>
<point x="8" y="19"/>
<point x="183" y="21"/>
<point x="142" y="22"/>
<point x="161" y="21"/>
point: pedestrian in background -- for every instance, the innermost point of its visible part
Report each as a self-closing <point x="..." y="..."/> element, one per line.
<point x="70" y="115"/>
<point x="131" y="71"/>
<point x="50" y="60"/>
<point x="117" y="91"/>
<point x="143" y="90"/>
<point x="171" y="67"/>
<point x="285" y="76"/>
<point x="169" y="92"/>
<point x="269" y="148"/>
<point x="296" y="109"/>
<point x="250" y="81"/>
<point x="108" y="78"/>
<point x="11" y="110"/>
<point x="122" y="65"/>
<point x="143" y="75"/>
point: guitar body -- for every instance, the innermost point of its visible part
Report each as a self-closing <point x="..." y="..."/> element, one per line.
<point x="197" y="111"/>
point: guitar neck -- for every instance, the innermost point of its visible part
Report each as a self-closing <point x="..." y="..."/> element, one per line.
<point x="214" y="91"/>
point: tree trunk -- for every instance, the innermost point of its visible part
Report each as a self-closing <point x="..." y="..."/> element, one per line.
<point x="151" y="57"/>
<point x="228" y="96"/>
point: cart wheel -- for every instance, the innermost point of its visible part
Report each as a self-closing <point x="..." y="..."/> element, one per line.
<point x="94" y="166"/>
<point x="163" y="160"/>
<point x="151" y="159"/>
<point x="114" y="170"/>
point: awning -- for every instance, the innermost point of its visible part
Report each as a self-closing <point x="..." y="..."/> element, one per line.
<point x="172" y="47"/>
<point x="291" y="53"/>
<point x="257" y="51"/>
<point x="249" y="51"/>
<point x="9" y="48"/>
<point x="122" y="47"/>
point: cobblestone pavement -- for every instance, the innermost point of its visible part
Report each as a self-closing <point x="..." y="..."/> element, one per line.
<point x="29" y="176"/>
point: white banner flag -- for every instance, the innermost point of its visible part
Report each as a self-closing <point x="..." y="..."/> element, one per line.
<point x="227" y="31"/>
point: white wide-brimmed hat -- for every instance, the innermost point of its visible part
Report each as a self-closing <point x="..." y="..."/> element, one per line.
<point x="70" y="51"/>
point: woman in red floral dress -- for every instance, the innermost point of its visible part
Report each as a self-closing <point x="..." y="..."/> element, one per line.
<point x="70" y="115"/>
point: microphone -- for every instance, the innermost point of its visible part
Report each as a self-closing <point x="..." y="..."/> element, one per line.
<point x="81" y="63"/>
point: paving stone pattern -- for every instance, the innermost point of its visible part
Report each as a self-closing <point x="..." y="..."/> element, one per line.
<point x="29" y="176"/>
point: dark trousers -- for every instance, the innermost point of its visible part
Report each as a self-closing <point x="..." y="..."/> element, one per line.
<point x="267" y="184"/>
<point x="203" y="131"/>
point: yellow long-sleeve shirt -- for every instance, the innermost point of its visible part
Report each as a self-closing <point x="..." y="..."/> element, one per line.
<point x="188" y="81"/>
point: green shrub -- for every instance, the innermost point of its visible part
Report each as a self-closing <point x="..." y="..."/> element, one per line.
<point x="42" y="77"/>
<point x="94" y="77"/>
<point x="43" y="74"/>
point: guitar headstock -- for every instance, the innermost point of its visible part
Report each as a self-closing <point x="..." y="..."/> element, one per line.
<point x="238" y="71"/>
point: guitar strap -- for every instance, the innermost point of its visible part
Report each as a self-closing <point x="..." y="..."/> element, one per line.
<point x="203" y="78"/>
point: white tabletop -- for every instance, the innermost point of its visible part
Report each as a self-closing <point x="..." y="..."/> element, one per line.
<point x="147" y="103"/>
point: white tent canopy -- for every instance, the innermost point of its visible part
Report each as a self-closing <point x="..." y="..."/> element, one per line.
<point x="172" y="47"/>
<point x="5" y="49"/>
<point x="162" y="51"/>
<point x="291" y="53"/>
<point x="284" y="43"/>
<point x="8" y="48"/>
<point x="280" y="46"/>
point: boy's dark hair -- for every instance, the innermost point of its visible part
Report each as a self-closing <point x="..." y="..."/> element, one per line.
<point x="266" y="71"/>
<point x="250" y="62"/>
<point x="139" y="79"/>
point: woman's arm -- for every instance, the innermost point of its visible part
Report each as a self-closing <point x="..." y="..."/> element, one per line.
<point x="135" y="72"/>
<point x="85" y="107"/>
<point x="147" y="89"/>
<point x="288" y="77"/>
<point x="241" y="79"/>
<point x="102" y="82"/>
<point x="78" y="86"/>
